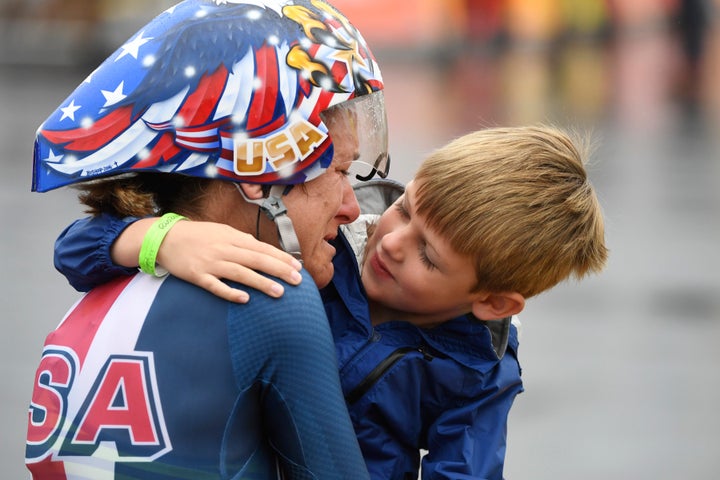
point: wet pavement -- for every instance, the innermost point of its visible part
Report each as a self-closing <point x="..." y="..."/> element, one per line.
<point x="620" y="370"/>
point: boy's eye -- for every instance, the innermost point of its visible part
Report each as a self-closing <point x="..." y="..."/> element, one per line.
<point x="401" y="209"/>
<point x="425" y="259"/>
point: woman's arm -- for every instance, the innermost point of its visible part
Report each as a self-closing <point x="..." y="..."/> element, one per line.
<point x="284" y="347"/>
<point x="94" y="250"/>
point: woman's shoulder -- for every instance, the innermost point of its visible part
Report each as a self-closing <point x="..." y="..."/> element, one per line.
<point x="298" y="300"/>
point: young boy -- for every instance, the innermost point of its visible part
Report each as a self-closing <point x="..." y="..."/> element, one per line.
<point x="421" y="307"/>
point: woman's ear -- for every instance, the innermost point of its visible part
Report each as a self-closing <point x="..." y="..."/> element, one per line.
<point x="495" y="306"/>
<point x="253" y="191"/>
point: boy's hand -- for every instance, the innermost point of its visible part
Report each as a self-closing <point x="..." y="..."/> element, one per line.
<point x="202" y="253"/>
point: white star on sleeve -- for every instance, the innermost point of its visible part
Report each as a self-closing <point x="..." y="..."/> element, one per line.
<point x="133" y="47"/>
<point x="111" y="98"/>
<point x="69" y="111"/>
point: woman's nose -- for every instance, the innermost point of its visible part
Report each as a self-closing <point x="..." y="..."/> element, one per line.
<point x="349" y="208"/>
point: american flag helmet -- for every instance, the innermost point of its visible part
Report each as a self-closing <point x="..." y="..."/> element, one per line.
<point x="224" y="89"/>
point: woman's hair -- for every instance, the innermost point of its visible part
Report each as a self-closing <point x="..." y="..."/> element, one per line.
<point x="518" y="202"/>
<point x="143" y="194"/>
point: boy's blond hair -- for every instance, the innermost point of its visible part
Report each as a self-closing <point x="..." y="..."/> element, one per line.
<point x="519" y="202"/>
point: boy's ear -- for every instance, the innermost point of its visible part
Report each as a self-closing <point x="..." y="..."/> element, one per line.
<point x="253" y="191"/>
<point x="495" y="306"/>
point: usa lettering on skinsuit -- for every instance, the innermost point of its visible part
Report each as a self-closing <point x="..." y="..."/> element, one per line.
<point x="121" y="410"/>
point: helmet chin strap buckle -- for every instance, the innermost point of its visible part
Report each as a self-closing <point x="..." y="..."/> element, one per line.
<point x="275" y="209"/>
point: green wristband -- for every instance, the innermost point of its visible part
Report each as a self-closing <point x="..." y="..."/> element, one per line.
<point x="152" y="240"/>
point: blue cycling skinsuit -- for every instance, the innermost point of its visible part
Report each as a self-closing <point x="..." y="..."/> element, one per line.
<point x="447" y="390"/>
<point x="150" y="378"/>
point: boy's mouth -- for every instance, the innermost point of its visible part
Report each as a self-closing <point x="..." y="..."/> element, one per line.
<point x="378" y="267"/>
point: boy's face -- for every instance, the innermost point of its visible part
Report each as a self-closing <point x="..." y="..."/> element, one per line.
<point x="410" y="268"/>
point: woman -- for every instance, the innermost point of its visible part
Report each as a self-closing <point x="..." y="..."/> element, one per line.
<point x="216" y="111"/>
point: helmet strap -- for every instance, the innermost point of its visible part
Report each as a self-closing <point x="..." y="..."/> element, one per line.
<point x="276" y="211"/>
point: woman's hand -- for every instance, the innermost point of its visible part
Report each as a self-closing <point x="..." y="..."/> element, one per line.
<point x="203" y="253"/>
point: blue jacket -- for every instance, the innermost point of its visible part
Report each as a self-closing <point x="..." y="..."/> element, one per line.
<point x="446" y="390"/>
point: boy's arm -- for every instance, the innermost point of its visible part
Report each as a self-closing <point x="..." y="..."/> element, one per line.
<point x="469" y="441"/>
<point x="82" y="251"/>
<point x="386" y="455"/>
<point x="94" y="250"/>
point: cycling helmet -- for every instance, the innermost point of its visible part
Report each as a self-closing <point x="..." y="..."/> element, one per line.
<point x="224" y="89"/>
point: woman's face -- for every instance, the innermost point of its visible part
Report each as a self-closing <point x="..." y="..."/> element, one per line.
<point x="320" y="206"/>
<point x="411" y="268"/>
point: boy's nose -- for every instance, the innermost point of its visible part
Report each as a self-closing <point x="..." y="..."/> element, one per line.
<point x="393" y="243"/>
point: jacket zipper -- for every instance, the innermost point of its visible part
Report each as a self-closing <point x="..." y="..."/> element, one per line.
<point x="366" y="384"/>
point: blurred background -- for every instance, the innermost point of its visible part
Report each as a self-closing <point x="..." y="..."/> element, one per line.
<point x="620" y="370"/>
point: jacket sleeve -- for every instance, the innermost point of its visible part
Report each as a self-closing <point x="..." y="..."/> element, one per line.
<point x="82" y="251"/>
<point x="468" y="442"/>
<point x="386" y="456"/>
